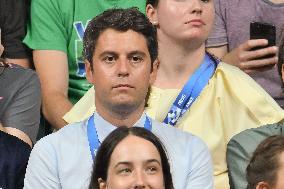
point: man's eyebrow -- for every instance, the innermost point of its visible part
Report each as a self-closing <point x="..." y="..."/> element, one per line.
<point x="108" y="53"/>
<point x="136" y="53"/>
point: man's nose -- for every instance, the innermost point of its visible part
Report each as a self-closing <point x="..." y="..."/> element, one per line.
<point x="123" y="68"/>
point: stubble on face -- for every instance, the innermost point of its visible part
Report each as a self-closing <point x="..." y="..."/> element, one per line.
<point x="121" y="80"/>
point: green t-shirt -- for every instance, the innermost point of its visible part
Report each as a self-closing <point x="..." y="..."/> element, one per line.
<point x="60" y="24"/>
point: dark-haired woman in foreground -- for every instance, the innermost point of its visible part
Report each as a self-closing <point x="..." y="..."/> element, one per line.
<point x="131" y="158"/>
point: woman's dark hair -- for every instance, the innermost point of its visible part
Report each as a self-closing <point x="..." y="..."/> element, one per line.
<point x="104" y="153"/>
<point x="264" y="163"/>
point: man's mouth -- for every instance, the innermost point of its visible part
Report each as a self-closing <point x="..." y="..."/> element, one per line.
<point x="120" y="86"/>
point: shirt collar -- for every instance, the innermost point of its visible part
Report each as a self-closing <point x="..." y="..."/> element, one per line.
<point x="103" y="127"/>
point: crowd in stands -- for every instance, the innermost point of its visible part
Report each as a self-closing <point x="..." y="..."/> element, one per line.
<point x="141" y="94"/>
<point x="230" y="36"/>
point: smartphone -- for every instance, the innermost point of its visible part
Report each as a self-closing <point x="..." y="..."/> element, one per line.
<point x="259" y="30"/>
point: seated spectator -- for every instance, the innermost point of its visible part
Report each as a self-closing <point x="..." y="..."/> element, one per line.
<point x="131" y="158"/>
<point x="19" y="101"/>
<point x="120" y="51"/>
<point x="213" y="103"/>
<point x="240" y="150"/>
<point x="266" y="167"/>
<point x="242" y="145"/>
<point x="230" y="40"/>
<point x="19" y="122"/>
<point x="56" y="34"/>
<point x="13" y="20"/>
<point x="19" y="95"/>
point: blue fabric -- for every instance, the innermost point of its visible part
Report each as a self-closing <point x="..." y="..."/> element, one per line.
<point x="14" y="156"/>
<point x="192" y="89"/>
<point x="64" y="157"/>
<point x="94" y="142"/>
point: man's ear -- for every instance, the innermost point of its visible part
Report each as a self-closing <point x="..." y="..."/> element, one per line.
<point x="151" y="13"/>
<point x="262" y="185"/>
<point x="89" y="72"/>
<point x="102" y="184"/>
<point x="153" y="74"/>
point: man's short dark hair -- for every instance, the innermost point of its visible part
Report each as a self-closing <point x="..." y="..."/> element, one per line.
<point x="154" y="3"/>
<point x="120" y="20"/>
<point x="264" y="164"/>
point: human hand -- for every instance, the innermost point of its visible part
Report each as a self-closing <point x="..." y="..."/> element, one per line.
<point x="250" y="60"/>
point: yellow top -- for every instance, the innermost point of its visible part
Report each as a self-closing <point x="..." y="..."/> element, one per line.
<point x="229" y="104"/>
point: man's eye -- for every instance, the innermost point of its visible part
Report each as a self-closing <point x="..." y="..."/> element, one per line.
<point x="136" y="59"/>
<point x="109" y="59"/>
<point x="205" y="1"/>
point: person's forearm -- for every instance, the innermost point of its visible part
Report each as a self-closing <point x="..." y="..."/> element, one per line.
<point x="219" y="51"/>
<point x="54" y="107"/>
<point x="250" y="60"/>
<point x="54" y="84"/>
<point x="222" y="53"/>
<point x="230" y="58"/>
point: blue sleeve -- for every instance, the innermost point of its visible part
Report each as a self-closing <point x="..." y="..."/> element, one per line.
<point x="200" y="175"/>
<point x="42" y="167"/>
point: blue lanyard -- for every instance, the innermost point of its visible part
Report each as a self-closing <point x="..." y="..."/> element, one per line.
<point x="192" y="89"/>
<point x="93" y="139"/>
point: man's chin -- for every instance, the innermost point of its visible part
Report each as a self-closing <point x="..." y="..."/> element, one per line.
<point x="125" y="106"/>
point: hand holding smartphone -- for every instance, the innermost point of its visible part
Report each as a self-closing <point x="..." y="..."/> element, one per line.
<point x="259" y="30"/>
